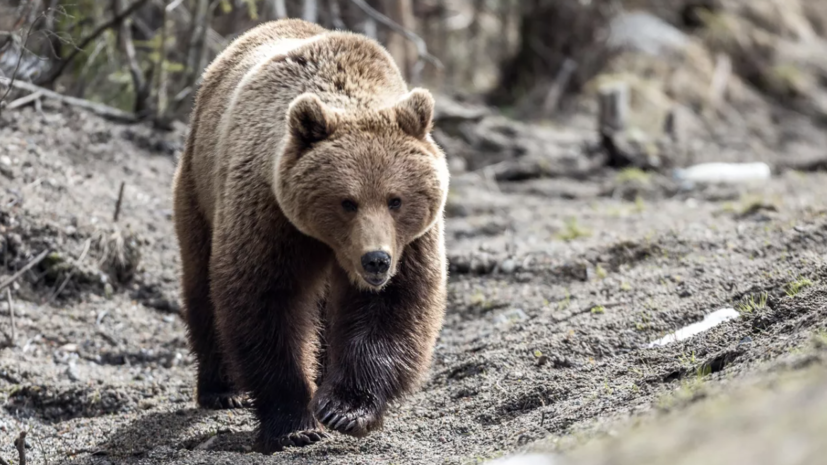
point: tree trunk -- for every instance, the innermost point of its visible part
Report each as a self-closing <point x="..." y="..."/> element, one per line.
<point x="400" y="48"/>
<point x="551" y="33"/>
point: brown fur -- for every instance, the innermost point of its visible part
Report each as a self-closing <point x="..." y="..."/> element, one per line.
<point x="283" y="132"/>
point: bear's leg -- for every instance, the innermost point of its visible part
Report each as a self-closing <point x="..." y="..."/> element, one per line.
<point x="321" y="354"/>
<point x="214" y="389"/>
<point x="266" y="281"/>
<point x="380" y="343"/>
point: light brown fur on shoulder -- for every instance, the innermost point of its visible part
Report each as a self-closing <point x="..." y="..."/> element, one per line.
<point x="310" y="194"/>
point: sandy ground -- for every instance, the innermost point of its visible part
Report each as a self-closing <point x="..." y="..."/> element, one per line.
<point x="557" y="286"/>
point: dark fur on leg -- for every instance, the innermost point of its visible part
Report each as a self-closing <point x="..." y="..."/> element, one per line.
<point x="214" y="389"/>
<point x="380" y="342"/>
<point x="266" y="314"/>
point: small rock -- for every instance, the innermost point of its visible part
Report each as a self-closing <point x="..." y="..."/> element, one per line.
<point x="69" y="348"/>
<point x="5" y="161"/>
<point x="508" y="266"/>
<point x="72" y="372"/>
<point x="206" y="444"/>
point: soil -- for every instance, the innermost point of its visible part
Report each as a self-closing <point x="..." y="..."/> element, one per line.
<point x="558" y="284"/>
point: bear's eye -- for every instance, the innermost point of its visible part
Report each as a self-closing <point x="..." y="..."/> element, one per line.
<point x="395" y="203"/>
<point x="349" y="205"/>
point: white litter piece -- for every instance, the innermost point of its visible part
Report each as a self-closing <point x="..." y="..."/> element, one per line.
<point x="526" y="459"/>
<point x="645" y="32"/>
<point x="511" y="316"/>
<point x="724" y="172"/>
<point x="710" y="321"/>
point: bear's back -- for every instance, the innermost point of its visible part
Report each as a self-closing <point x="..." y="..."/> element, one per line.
<point x="240" y="108"/>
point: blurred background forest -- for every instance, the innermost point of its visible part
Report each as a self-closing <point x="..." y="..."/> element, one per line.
<point x="531" y="58"/>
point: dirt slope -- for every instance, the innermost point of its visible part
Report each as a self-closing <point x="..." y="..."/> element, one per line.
<point x="557" y="286"/>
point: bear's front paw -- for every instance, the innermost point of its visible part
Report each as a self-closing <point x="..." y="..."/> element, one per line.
<point x="267" y="445"/>
<point x="354" y="418"/>
<point x="223" y="401"/>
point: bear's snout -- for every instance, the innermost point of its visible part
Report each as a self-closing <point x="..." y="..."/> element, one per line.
<point x="375" y="263"/>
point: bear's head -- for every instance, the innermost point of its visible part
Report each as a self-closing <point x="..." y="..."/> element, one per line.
<point x="366" y="183"/>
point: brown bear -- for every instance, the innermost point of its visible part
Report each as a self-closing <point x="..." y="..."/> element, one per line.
<point x="308" y="206"/>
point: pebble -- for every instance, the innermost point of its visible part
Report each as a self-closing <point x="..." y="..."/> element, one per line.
<point x="5" y="161"/>
<point x="72" y="372"/>
<point x="508" y="266"/>
<point x="69" y="348"/>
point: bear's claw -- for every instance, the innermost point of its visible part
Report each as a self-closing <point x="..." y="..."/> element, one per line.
<point x="296" y="439"/>
<point x="302" y="438"/>
<point x="352" y="421"/>
<point x="224" y="401"/>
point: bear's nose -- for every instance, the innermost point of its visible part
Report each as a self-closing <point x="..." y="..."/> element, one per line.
<point x="376" y="262"/>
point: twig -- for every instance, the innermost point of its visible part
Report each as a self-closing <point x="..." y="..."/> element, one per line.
<point x="114" y="21"/>
<point x="26" y="268"/>
<point x="23" y="101"/>
<point x="118" y="204"/>
<point x="23" y="50"/>
<point x="97" y="108"/>
<point x="72" y="271"/>
<point x="421" y="47"/>
<point x="558" y="86"/>
<point x="20" y="443"/>
<point x="13" y="336"/>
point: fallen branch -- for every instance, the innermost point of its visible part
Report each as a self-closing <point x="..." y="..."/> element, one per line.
<point x="421" y="47"/>
<point x="23" y="51"/>
<point x="26" y="268"/>
<point x="114" y="21"/>
<point x="23" y="101"/>
<point x="97" y="108"/>
<point x="118" y="203"/>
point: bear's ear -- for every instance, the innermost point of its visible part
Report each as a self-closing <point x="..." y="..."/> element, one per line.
<point x="415" y="113"/>
<point x="309" y="120"/>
